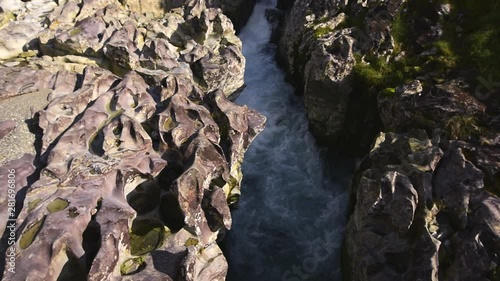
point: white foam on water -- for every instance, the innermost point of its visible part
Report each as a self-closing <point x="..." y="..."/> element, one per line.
<point x="289" y="205"/>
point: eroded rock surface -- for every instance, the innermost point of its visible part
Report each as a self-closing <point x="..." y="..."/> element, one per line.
<point x="106" y="34"/>
<point x="412" y="106"/>
<point x="421" y="214"/>
<point x="139" y="150"/>
<point x="319" y="47"/>
<point x="398" y="76"/>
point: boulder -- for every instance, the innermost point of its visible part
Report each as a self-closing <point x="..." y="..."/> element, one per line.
<point x="238" y="11"/>
<point x="421" y="214"/>
<point x="386" y="237"/>
<point x="413" y="107"/>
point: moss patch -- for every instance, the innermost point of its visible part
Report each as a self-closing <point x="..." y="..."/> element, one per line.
<point x="145" y="236"/>
<point x="322" y="31"/>
<point x="32" y="205"/>
<point x="389" y="92"/>
<point x="132" y="266"/>
<point x="169" y="124"/>
<point x="30" y="234"/>
<point x="378" y="74"/>
<point x="463" y="127"/>
<point x="191" y="242"/>
<point x="57" y="205"/>
<point x="75" y="31"/>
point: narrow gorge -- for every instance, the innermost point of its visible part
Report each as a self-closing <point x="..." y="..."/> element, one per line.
<point x="242" y="140"/>
<point x="292" y="212"/>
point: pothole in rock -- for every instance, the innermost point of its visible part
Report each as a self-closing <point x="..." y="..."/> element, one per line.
<point x="146" y="235"/>
<point x="145" y="197"/>
<point x="57" y="205"/>
<point x="30" y="234"/>
<point x="156" y="199"/>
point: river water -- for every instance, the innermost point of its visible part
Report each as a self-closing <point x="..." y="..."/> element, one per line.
<point x="291" y="216"/>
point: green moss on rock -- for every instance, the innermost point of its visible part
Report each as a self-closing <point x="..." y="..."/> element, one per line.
<point x="463" y="127"/>
<point x="191" y="242"/>
<point x="30" y="234"/>
<point x="57" y="205"/>
<point x="32" y="205"/>
<point x="322" y="31"/>
<point x="132" y="266"/>
<point x="145" y="236"/>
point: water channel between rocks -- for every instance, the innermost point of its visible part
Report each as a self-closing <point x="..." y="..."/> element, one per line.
<point x="291" y="215"/>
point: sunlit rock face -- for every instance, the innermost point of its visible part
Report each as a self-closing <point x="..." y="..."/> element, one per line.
<point x="109" y="35"/>
<point x="139" y="150"/>
<point x="320" y="43"/>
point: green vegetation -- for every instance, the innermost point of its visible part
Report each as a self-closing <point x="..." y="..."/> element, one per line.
<point x="470" y="41"/>
<point x="476" y="41"/>
<point x="380" y="75"/>
<point x="191" y="242"/>
<point x="389" y="92"/>
<point x="132" y="266"/>
<point x="462" y="127"/>
<point x="57" y="205"/>
<point x="32" y="205"/>
<point x="145" y="236"/>
<point x="30" y="234"/>
<point x="400" y="31"/>
<point x="75" y="31"/>
<point x="322" y="31"/>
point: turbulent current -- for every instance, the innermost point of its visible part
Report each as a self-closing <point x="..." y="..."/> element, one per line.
<point x="291" y="215"/>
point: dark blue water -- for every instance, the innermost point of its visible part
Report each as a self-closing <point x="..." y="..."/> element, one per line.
<point x="291" y="215"/>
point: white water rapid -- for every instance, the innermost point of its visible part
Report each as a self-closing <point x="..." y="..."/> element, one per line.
<point x="291" y="215"/>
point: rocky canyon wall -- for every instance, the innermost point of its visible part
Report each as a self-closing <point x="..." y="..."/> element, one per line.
<point x="409" y="86"/>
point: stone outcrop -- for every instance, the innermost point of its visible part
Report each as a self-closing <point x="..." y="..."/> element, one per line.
<point x="425" y="207"/>
<point x="412" y="106"/>
<point x="237" y="10"/>
<point x="387" y="236"/>
<point x="318" y="47"/>
<point x="390" y="75"/>
<point x="139" y="150"/>
<point x="107" y="35"/>
<point x="421" y="214"/>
